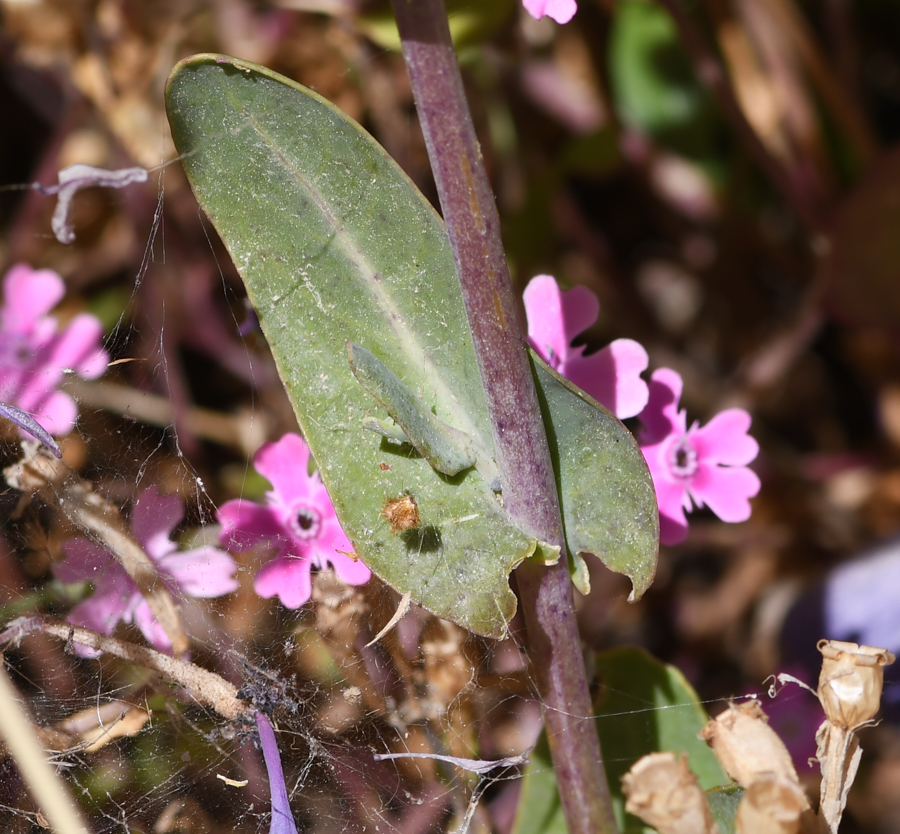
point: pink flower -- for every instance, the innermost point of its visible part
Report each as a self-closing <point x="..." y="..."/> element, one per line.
<point x="34" y="354"/>
<point x="612" y="376"/>
<point x="203" y="572"/>
<point x="562" y="11"/>
<point x="298" y="519"/>
<point x="705" y="465"/>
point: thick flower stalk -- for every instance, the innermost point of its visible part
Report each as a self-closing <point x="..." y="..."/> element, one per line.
<point x="298" y="521"/>
<point x="203" y="572"/>
<point x="35" y="353"/>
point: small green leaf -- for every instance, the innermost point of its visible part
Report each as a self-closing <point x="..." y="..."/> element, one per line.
<point x="608" y="501"/>
<point x="723" y="803"/>
<point x="447" y="449"/>
<point x="645" y="707"/>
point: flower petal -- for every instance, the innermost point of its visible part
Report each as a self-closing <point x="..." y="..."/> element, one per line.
<point x="724" y="439"/>
<point x="288" y="578"/>
<point x="556" y="317"/>
<point x="245" y="524"/>
<point x="55" y="410"/>
<point x="562" y="11"/>
<point x="726" y="490"/>
<point x="155" y="634"/>
<point x="153" y="519"/>
<point x="612" y="376"/>
<point x="661" y="417"/>
<point x="29" y="294"/>
<point x="670" y="495"/>
<point x="78" y="347"/>
<point x="284" y="464"/>
<point x="204" y="572"/>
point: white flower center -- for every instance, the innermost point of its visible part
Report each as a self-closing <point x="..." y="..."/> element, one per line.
<point x="682" y="458"/>
<point x="305" y="521"/>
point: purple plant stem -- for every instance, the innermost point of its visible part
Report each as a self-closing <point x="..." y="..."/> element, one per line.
<point x="520" y="442"/>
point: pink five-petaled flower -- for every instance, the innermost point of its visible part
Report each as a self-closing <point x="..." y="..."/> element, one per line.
<point x="562" y="11"/>
<point x="705" y="465"/>
<point x="298" y="519"/>
<point x="34" y="355"/>
<point x="612" y="376"/>
<point x="204" y="572"/>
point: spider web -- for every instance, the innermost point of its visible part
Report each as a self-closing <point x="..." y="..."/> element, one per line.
<point x="191" y="395"/>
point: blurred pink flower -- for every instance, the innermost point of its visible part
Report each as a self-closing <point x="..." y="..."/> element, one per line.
<point x="705" y="465"/>
<point x="612" y="376"/>
<point x="34" y="354"/>
<point x="298" y="519"/>
<point x="203" y="572"/>
<point x="562" y="11"/>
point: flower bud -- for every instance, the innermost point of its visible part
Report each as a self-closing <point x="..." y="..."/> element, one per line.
<point x="771" y="804"/>
<point x="851" y="681"/>
<point x="662" y="791"/>
<point x="747" y="746"/>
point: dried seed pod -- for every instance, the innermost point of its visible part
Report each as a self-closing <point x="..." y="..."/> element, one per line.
<point x="662" y="791"/>
<point x="747" y="746"/>
<point x="401" y="513"/>
<point x="851" y="681"/>
<point x="771" y="804"/>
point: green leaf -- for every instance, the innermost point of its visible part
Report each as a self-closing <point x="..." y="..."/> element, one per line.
<point x="608" y="501"/>
<point x="644" y="707"/>
<point x="335" y="244"/>
<point x="723" y="802"/>
<point x="647" y="706"/>
<point x="653" y="82"/>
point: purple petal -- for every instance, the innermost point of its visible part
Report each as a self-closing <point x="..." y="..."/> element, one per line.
<point x="285" y="577"/>
<point x="612" y="376"/>
<point x="205" y="572"/>
<point x="78" y="347"/>
<point x="153" y="519"/>
<point x="56" y="410"/>
<point x="724" y="439"/>
<point x="860" y="599"/>
<point x="245" y="524"/>
<point x="351" y="571"/>
<point x="28" y="424"/>
<point x="285" y="464"/>
<point x="726" y="490"/>
<point x="556" y="317"/>
<point x="282" y="819"/>
<point x="29" y="294"/>
<point x="661" y="417"/>
<point x="562" y="11"/>
<point x="146" y="621"/>
<point x="673" y="524"/>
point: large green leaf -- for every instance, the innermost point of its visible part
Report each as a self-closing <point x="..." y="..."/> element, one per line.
<point x="645" y="706"/>
<point x="336" y="245"/>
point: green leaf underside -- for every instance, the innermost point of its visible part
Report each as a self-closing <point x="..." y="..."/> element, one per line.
<point x="336" y="245"/>
<point x="645" y="707"/>
<point x="446" y="449"/>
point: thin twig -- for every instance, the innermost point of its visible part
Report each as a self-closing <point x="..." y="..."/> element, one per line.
<point x="204" y="686"/>
<point x="43" y="781"/>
